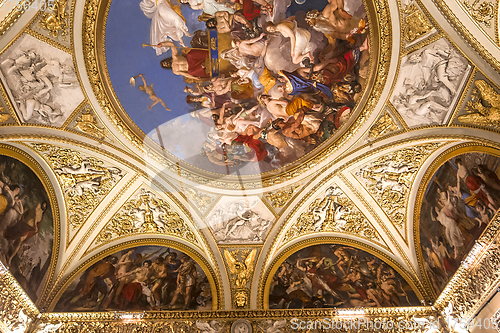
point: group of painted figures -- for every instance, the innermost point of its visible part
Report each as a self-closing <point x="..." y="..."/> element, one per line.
<point x="285" y="84"/>
<point x="22" y="209"/>
<point x="134" y="281"/>
<point x="344" y="277"/>
<point x="461" y="208"/>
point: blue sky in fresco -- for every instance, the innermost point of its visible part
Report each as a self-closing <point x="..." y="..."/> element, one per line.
<point x="126" y="30"/>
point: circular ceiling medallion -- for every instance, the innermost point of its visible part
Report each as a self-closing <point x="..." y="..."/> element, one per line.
<point x="237" y="87"/>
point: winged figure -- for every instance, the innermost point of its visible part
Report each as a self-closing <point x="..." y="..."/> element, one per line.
<point x="242" y="271"/>
<point x="485" y="108"/>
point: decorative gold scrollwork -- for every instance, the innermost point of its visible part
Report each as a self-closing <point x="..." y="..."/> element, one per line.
<point x="390" y="177"/>
<point x="484" y="106"/>
<point x="146" y="214"/>
<point x="481" y="11"/>
<point x="334" y="212"/>
<point x="279" y="198"/>
<point x="415" y="23"/>
<point x="383" y="126"/>
<point x="85" y="180"/>
<point x="57" y="20"/>
<point x="88" y="124"/>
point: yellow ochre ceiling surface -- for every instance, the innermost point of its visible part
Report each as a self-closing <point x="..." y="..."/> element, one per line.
<point x="300" y="155"/>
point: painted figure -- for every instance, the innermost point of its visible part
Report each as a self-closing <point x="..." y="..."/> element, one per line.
<point x="152" y="95"/>
<point x="286" y="82"/>
<point x="167" y="21"/>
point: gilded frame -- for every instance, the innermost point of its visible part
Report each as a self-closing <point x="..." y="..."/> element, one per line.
<point x="339" y="173"/>
<point x="25" y="139"/>
<point x="495" y="20"/>
<point x="12" y="16"/>
<point x="465" y="33"/>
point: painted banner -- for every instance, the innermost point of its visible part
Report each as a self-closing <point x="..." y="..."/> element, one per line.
<point x="214" y="52"/>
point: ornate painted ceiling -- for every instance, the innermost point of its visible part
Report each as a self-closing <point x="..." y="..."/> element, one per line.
<point x="371" y="193"/>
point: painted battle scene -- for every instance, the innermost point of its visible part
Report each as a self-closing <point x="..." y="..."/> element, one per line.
<point x="26" y="225"/>
<point x="329" y="275"/>
<point x="458" y="204"/>
<point x="238" y="85"/>
<point x="140" y="278"/>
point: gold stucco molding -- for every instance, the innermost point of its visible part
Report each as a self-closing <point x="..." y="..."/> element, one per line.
<point x="389" y="180"/>
<point x="14" y="14"/>
<point x="84" y="179"/>
<point x="478" y="275"/>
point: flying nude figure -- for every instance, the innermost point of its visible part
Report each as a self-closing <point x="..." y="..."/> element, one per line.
<point x="149" y="90"/>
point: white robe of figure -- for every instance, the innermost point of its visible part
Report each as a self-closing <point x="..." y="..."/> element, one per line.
<point x="453" y="233"/>
<point x="195" y="3"/>
<point x="303" y="43"/>
<point x="165" y="22"/>
<point x="212" y="6"/>
<point x="278" y="55"/>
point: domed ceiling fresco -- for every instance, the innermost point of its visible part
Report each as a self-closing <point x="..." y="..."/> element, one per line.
<point x="216" y="82"/>
<point x="170" y="161"/>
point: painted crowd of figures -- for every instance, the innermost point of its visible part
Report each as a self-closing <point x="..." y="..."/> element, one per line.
<point x="285" y="85"/>
<point x="25" y="225"/>
<point x="327" y="276"/>
<point x="458" y="205"/>
<point x="143" y="278"/>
